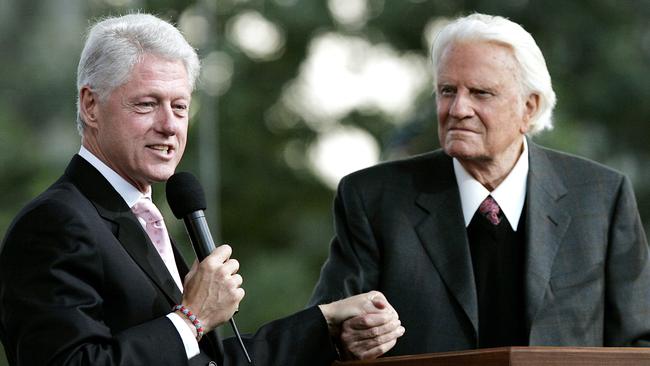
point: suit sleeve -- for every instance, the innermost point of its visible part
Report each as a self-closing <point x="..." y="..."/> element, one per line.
<point x="52" y="294"/>
<point x="297" y="340"/>
<point x="353" y="263"/>
<point x="627" y="303"/>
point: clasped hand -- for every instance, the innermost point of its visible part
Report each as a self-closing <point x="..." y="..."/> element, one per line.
<point x="366" y="324"/>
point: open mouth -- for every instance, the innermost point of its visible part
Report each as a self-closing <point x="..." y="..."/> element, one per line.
<point x="165" y="149"/>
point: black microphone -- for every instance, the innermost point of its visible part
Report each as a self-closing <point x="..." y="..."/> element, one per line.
<point x="186" y="198"/>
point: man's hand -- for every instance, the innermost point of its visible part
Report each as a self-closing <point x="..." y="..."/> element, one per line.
<point x="212" y="288"/>
<point x="367" y="324"/>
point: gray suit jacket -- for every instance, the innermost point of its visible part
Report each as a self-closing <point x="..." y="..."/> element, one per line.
<point x="400" y="230"/>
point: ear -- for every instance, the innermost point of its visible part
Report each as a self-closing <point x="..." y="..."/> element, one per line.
<point x="531" y="106"/>
<point x="88" y="105"/>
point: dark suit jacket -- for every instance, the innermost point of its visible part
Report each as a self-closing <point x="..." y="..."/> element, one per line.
<point x="81" y="284"/>
<point x="400" y="230"/>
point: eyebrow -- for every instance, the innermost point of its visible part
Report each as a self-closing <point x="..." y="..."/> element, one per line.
<point x="160" y="95"/>
<point x="472" y="86"/>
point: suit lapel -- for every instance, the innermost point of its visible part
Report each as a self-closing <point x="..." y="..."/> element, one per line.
<point x="181" y="263"/>
<point x="136" y="242"/>
<point x="546" y="224"/>
<point x="442" y="232"/>
<point x="127" y="229"/>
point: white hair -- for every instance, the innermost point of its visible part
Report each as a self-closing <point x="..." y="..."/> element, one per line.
<point x="534" y="74"/>
<point x="115" y="45"/>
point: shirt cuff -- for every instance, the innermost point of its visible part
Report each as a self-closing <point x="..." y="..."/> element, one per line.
<point x="190" y="343"/>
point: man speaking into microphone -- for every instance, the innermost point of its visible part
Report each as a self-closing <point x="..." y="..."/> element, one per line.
<point x="88" y="272"/>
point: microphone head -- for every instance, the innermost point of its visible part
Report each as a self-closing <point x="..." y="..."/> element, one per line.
<point x="184" y="194"/>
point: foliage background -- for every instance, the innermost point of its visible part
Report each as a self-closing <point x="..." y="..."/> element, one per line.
<point x="254" y="151"/>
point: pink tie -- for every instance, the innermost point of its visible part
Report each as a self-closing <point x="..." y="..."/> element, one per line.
<point x="490" y="209"/>
<point x="153" y="223"/>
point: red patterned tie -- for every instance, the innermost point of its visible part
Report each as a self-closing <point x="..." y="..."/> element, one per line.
<point x="151" y="219"/>
<point x="490" y="209"/>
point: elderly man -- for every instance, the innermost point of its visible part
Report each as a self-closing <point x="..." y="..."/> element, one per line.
<point x="88" y="273"/>
<point x="493" y="240"/>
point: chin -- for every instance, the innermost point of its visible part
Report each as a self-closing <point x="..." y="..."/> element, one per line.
<point x="461" y="150"/>
<point x="161" y="175"/>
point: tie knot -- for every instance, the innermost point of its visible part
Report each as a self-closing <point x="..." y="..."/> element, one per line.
<point x="491" y="210"/>
<point x="147" y="211"/>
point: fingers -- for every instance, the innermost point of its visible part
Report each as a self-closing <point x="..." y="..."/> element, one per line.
<point x="372" y="342"/>
<point x="231" y="266"/>
<point x="378" y="300"/>
<point x="216" y="262"/>
<point x="374" y="352"/>
<point x="213" y="289"/>
<point x="222" y="252"/>
<point x="226" y="273"/>
<point x="374" y="330"/>
<point x="373" y="302"/>
<point x="372" y="322"/>
<point x="238" y="280"/>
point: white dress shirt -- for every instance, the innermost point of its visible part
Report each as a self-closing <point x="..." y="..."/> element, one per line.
<point x="131" y="195"/>
<point x="510" y="194"/>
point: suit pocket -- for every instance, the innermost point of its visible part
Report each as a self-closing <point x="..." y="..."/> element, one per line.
<point x="578" y="278"/>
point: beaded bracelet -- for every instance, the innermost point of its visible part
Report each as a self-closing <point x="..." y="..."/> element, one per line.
<point x="197" y="324"/>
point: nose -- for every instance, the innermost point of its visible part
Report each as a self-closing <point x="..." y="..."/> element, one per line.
<point x="461" y="107"/>
<point x="167" y="121"/>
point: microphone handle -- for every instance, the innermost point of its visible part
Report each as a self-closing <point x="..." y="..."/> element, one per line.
<point x="199" y="232"/>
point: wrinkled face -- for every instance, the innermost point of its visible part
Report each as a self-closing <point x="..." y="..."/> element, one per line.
<point x="482" y="113"/>
<point x="140" y="130"/>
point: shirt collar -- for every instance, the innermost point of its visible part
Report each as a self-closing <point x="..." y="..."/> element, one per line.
<point x="510" y="194"/>
<point x="129" y="193"/>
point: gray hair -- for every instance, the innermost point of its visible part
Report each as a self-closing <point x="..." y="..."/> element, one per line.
<point x="115" y="45"/>
<point x="534" y="74"/>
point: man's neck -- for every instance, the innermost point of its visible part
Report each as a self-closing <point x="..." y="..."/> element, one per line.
<point x="90" y="145"/>
<point x="491" y="172"/>
<point x="129" y="193"/>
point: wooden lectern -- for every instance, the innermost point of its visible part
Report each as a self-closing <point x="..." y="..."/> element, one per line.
<point x="520" y="356"/>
